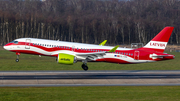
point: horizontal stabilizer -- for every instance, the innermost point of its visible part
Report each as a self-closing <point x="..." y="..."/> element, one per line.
<point x="155" y="56"/>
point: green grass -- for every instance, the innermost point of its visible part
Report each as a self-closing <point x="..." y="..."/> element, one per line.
<point x="106" y="93"/>
<point x="34" y="62"/>
<point x="121" y="93"/>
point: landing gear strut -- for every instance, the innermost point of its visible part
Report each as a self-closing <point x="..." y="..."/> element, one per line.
<point x="84" y="65"/>
<point x="17" y="60"/>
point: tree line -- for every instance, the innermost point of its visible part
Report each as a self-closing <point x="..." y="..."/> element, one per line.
<point x="89" y="21"/>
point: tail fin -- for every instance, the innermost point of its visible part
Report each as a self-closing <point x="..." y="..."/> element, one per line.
<point x="159" y="42"/>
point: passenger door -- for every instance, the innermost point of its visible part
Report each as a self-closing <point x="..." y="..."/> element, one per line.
<point x="27" y="43"/>
<point x="136" y="55"/>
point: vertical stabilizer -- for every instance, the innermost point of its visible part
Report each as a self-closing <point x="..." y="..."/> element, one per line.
<point x="159" y="42"/>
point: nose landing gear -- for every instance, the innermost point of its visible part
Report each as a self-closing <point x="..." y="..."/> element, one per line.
<point x="17" y="60"/>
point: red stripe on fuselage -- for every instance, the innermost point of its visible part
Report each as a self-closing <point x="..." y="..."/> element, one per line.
<point x="79" y="50"/>
<point x="30" y="52"/>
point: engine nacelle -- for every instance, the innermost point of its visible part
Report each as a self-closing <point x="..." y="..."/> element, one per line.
<point x="66" y="59"/>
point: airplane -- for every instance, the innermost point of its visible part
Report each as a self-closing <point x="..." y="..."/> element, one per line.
<point x="71" y="52"/>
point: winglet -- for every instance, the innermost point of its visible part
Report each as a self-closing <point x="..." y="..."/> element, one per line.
<point x="114" y="49"/>
<point x="103" y="43"/>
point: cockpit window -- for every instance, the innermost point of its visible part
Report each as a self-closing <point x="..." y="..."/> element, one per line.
<point x="16" y="42"/>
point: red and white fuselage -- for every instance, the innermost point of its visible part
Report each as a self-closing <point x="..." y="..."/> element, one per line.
<point x="151" y="52"/>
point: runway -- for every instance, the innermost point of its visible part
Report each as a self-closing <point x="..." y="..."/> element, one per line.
<point x="89" y="78"/>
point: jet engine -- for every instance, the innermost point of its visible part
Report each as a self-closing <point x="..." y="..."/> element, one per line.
<point x="66" y="59"/>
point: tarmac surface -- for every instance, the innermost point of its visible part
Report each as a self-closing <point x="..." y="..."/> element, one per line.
<point x="89" y="78"/>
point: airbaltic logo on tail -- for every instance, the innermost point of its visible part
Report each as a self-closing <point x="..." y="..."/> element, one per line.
<point x="156" y="45"/>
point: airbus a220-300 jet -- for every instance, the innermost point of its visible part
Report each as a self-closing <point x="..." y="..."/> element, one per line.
<point x="71" y="52"/>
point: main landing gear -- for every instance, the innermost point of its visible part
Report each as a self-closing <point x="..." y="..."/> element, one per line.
<point x="84" y="65"/>
<point x="17" y="60"/>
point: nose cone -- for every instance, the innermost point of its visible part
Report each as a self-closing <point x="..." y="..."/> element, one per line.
<point x="5" y="47"/>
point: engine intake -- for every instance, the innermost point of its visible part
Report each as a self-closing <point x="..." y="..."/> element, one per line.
<point x="66" y="59"/>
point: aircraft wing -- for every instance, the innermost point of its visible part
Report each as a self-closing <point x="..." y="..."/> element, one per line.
<point x="97" y="53"/>
<point x="90" y="56"/>
<point x="94" y="55"/>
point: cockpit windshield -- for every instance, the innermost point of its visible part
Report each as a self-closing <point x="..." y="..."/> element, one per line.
<point x="16" y="42"/>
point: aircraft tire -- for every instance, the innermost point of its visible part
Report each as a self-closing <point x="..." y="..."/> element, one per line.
<point x="17" y="60"/>
<point x="84" y="67"/>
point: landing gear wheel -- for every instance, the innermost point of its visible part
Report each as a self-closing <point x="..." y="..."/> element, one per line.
<point x="85" y="67"/>
<point x="17" y="60"/>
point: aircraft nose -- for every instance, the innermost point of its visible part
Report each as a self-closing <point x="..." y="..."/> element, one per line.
<point x="5" y="47"/>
